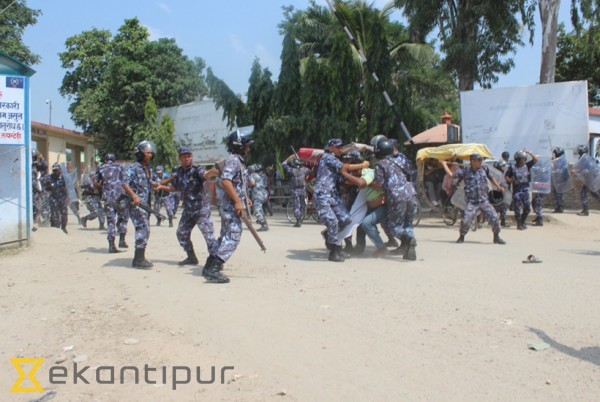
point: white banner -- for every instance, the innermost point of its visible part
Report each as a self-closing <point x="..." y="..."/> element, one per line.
<point x="537" y="118"/>
<point x="12" y="110"/>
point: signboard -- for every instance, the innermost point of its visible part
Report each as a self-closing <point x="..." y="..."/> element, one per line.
<point x="12" y="110"/>
<point x="537" y="118"/>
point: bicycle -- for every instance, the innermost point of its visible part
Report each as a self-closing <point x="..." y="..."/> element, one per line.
<point x="309" y="211"/>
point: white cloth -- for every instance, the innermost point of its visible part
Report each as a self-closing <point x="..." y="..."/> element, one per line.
<point x="357" y="214"/>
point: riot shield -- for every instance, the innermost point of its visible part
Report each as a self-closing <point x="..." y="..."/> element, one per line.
<point x="587" y="171"/>
<point x="458" y="199"/>
<point x="562" y="180"/>
<point x="541" y="176"/>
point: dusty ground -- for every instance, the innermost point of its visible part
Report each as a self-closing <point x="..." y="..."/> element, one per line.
<point x="453" y="326"/>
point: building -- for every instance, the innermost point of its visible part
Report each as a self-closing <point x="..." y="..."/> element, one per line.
<point x="200" y="126"/>
<point x="57" y="144"/>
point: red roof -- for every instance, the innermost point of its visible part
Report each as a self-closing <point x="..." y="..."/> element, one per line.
<point x="594" y="111"/>
<point x="56" y="129"/>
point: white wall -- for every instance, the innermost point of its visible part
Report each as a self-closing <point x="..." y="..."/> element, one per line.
<point x="538" y="118"/>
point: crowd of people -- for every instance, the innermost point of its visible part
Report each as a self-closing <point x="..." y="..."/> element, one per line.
<point x="353" y="194"/>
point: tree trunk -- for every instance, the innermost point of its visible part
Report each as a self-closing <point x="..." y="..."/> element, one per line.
<point x="549" y="16"/>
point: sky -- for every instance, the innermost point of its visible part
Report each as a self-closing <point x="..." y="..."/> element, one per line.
<point x="227" y="34"/>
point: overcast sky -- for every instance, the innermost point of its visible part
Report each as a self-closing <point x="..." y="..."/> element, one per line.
<point x="227" y="34"/>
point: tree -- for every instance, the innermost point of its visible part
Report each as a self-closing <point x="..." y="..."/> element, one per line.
<point x="161" y="134"/>
<point x="576" y="60"/>
<point x="110" y="79"/>
<point x="286" y="99"/>
<point x="477" y="36"/>
<point x="14" y="18"/>
<point x="549" y="17"/>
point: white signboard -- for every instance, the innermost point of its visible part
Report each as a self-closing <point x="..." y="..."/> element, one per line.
<point x="537" y="118"/>
<point x="12" y="110"/>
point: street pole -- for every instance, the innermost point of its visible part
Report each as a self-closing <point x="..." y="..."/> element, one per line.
<point x="49" y="103"/>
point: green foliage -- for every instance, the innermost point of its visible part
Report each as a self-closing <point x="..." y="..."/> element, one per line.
<point x="577" y="60"/>
<point x="110" y="79"/>
<point x="477" y="36"/>
<point x="13" y="21"/>
<point x="325" y="90"/>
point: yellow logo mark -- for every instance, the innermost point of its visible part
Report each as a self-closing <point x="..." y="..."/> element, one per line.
<point x="18" y="363"/>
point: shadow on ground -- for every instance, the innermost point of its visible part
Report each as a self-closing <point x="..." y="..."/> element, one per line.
<point x="590" y="354"/>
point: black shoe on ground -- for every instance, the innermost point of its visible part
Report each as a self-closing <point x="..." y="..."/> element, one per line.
<point x="102" y="227"/>
<point x="558" y="210"/>
<point x="190" y="260"/>
<point x="537" y="222"/>
<point x="84" y="222"/>
<point x="263" y="228"/>
<point x="411" y="253"/>
<point x="122" y="243"/>
<point x="64" y="229"/>
<point x="298" y="223"/>
<point x="111" y="247"/>
<point x="211" y="271"/>
<point x="461" y="239"/>
<point x="335" y="254"/>
<point x="140" y="261"/>
<point x="170" y="222"/>
<point x="585" y="212"/>
<point x="392" y="243"/>
<point x="498" y="240"/>
<point x="402" y="249"/>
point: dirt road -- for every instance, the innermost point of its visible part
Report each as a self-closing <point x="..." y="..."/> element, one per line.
<point x="454" y="325"/>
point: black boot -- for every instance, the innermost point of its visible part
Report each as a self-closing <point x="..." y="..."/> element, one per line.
<point x="298" y="223"/>
<point x="139" y="260"/>
<point x="558" y="210"/>
<point x="503" y="223"/>
<point x="111" y="246"/>
<point x="102" y="227"/>
<point x="584" y="212"/>
<point x="402" y="249"/>
<point x="497" y="239"/>
<point x="461" y="239"/>
<point x="170" y="222"/>
<point x="122" y="243"/>
<point x="335" y="254"/>
<point x="391" y="242"/>
<point x="158" y="222"/>
<point x="348" y="248"/>
<point x="524" y="221"/>
<point x="411" y="253"/>
<point x="538" y="221"/>
<point x="84" y="221"/>
<point x="263" y="227"/>
<point x="191" y="258"/>
<point x="211" y="271"/>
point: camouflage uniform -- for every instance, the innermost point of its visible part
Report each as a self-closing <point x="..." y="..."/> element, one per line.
<point x="231" y="223"/>
<point x="92" y="198"/>
<point x="583" y="194"/>
<point x="400" y="197"/>
<point x="176" y="199"/>
<point x="139" y="181"/>
<point x="558" y="199"/>
<point x="537" y="203"/>
<point x="205" y="223"/>
<point x="38" y="167"/>
<point x="259" y="194"/>
<point x="164" y="198"/>
<point x="521" y="199"/>
<point x="111" y="175"/>
<point x="297" y="188"/>
<point x="58" y="200"/>
<point x="476" y="196"/>
<point x="328" y="202"/>
<point x="191" y="184"/>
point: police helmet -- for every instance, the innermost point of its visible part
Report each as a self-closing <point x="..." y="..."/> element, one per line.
<point x="295" y="163"/>
<point x="377" y="138"/>
<point x="505" y="155"/>
<point x="109" y="157"/>
<point x="520" y="155"/>
<point x="582" y="149"/>
<point x="558" y="152"/>
<point x="236" y="141"/>
<point x="384" y="148"/>
<point x="160" y="169"/>
<point x="143" y="147"/>
<point x="476" y="156"/>
<point x="499" y="165"/>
